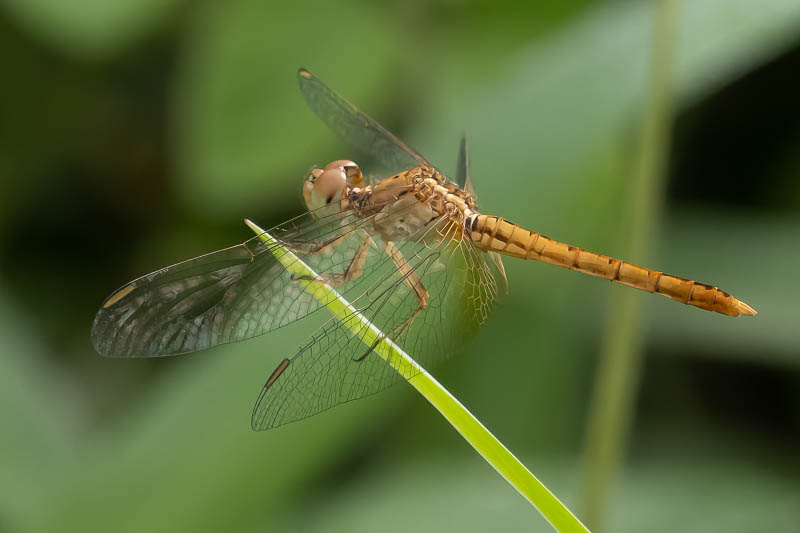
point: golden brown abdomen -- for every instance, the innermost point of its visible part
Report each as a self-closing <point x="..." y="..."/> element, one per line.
<point x="492" y="233"/>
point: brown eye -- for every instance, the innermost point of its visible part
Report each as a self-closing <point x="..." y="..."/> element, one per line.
<point x="330" y="183"/>
<point x="339" y="163"/>
<point x="351" y="170"/>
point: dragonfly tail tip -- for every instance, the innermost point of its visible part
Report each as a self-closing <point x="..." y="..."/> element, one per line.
<point x="745" y="309"/>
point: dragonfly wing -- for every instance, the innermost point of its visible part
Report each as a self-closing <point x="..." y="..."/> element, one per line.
<point x="337" y="366"/>
<point x="462" y="165"/>
<point x="225" y="296"/>
<point x="462" y="168"/>
<point x="463" y="180"/>
<point x="499" y="272"/>
<point x="387" y="154"/>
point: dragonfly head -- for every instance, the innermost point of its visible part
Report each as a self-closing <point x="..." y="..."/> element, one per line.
<point x="325" y="186"/>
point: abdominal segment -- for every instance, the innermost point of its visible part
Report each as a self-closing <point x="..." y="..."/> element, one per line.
<point x="495" y="234"/>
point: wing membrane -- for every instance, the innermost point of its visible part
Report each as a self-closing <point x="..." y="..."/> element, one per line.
<point x="244" y="291"/>
<point x="336" y="366"/>
<point x="462" y="165"/>
<point x="229" y="295"/>
<point x="388" y="154"/>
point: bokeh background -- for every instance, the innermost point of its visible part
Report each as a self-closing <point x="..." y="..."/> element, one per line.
<point x="137" y="133"/>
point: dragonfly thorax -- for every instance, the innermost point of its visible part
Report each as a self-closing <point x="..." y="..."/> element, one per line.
<point x="410" y="201"/>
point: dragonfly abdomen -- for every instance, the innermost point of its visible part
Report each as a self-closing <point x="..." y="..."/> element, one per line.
<point x="494" y="234"/>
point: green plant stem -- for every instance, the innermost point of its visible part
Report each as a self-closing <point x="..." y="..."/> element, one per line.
<point x="620" y="358"/>
<point x="486" y="444"/>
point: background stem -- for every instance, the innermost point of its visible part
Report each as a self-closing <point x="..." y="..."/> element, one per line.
<point x="620" y="358"/>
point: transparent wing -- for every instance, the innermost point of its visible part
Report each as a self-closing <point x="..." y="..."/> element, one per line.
<point x="229" y="295"/>
<point x="336" y="366"/>
<point x="463" y="180"/>
<point x="387" y="155"/>
<point x="462" y="165"/>
<point x="462" y="168"/>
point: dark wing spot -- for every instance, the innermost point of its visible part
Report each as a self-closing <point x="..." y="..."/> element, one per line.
<point x="276" y="373"/>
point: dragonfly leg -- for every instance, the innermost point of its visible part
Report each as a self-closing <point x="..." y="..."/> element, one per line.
<point x="321" y="247"/>
<point x="356" y="266"/>
<point x="411" y="279"/>
<point x="353" y="270"/>
<point x="414" y="282"/>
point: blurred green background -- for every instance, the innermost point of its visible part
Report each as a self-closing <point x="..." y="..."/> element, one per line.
<point x="136" y="133"/>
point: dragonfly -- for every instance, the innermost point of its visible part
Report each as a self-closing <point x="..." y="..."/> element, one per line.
<point x="403" y="243"/>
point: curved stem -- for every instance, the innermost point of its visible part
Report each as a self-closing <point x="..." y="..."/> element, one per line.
<point x="475" y="433"/>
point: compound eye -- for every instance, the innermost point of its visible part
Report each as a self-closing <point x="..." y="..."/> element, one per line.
<point x="329" y="184"/>
<point x="315" y="172"/>
<point x="351" y="170"/>
<point x="308" y="185"/>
